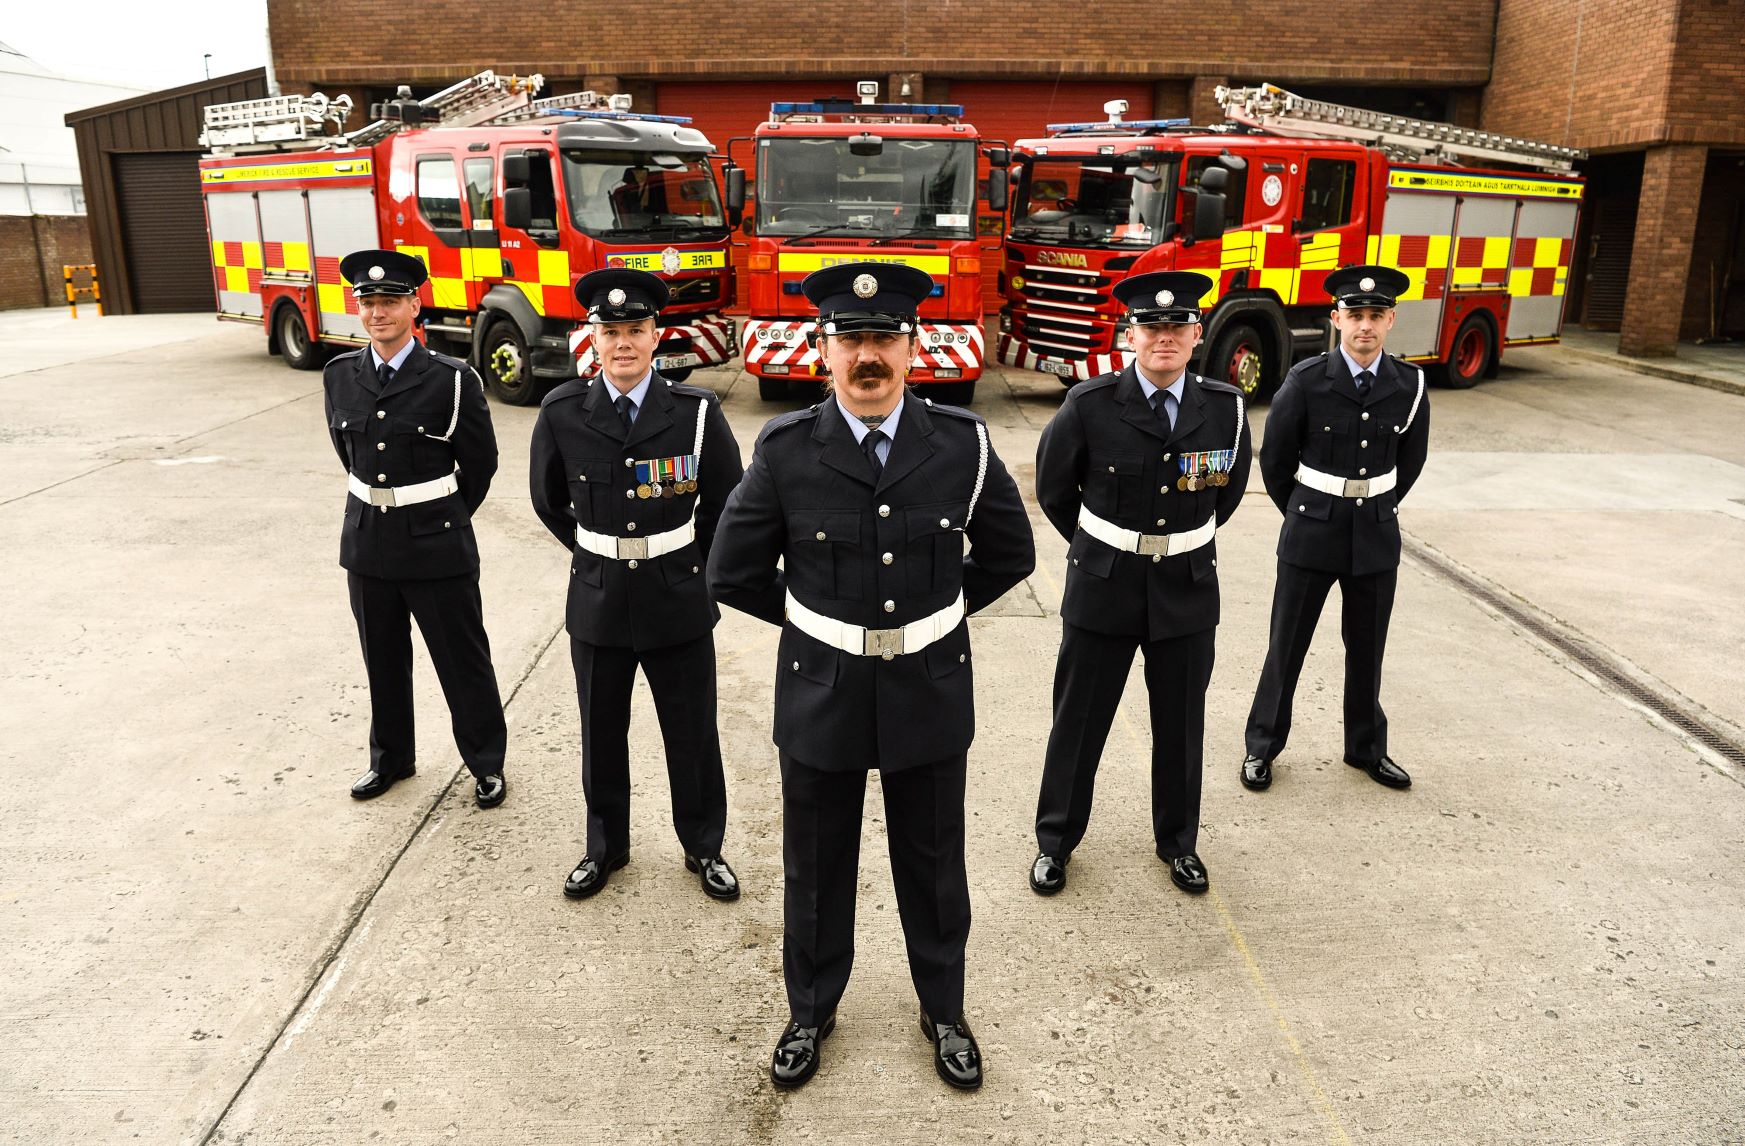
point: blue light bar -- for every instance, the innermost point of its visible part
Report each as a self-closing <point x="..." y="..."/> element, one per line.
<point x="576" y="114"/>
<point x="848" y="107"/>
<point x="1066" y="128"/>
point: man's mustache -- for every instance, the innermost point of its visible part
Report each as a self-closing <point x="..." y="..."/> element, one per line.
<point x="869" y="372"/>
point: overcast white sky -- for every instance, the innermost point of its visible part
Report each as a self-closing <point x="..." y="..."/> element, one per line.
<point x="138" y="42"/>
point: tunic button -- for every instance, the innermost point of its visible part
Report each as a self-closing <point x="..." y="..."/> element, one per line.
<point x="1166" y="457"/>
<point x="581" y="477"/>
<point x="944" y="522"/>
<point x="960" y="658"/>
<point x="1362" y="470"/>
<point x="694" y="568"/>
<point x="631" y="563"/>
<point x="1075" y="560"/>
<point x="1360" y="501"/>
<point x="1326" y="429"/>
<point x="628" y="463"/>
<point x="1364" y="443"/>
<point x="884" y="511"/>
<point x="1302" y="509"/>
<point x="796" y="666"/>
<point x="819" y="535"/>
<point x="1156" y="557"/>
<point x="1111" y="469"/>
<point x="886" y="656"/>
<point x="445" y="525"/>
<point x="630" y="493"/>
<point x="890" y="606"/>
<point x="1366" y="415"/>
<point x="381" y="445"/>
<point x="1162" y="489"/>
<point x="380" y="414"/>
<point x="1160" y="521"/>
<point x="886" y="559"/>
<point x="381" y="477"/>
<point x="631" y="527"/>
<point x="1214" y="562"/>
<point x="420" y="429"/>
<point x="344" y="424"/>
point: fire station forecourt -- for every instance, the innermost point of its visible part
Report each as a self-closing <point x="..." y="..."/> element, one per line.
<point x="211" y="943"/>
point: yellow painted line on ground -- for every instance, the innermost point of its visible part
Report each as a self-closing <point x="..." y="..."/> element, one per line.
<point x="1323" y="1104"/>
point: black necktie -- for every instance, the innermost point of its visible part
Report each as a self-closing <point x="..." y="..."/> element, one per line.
<point x="870" y="444"/>
<point x="1160" y="400"/>
<point x="1364" y="378"/>
<point x="384" y="375"/>
<point x="624" y="406"/>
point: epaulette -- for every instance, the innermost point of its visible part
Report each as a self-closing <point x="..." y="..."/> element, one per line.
<point x="1093" y="385"/>
<point x="783" y="421"/>
<point x="451" y="363"/>
<point x="689" y="391"/>
<point x="954" y="411"/>
<point x="1214" y="384"/>
<point x="573" y="388"/>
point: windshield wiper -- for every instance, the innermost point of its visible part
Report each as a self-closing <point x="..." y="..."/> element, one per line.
<point x="822" y="231"/>
<point x="919" y="232"/>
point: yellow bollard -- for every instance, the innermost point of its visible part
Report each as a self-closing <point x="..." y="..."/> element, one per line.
<point x="74" y="292"/>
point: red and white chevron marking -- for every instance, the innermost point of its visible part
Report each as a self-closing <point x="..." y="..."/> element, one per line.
<point x="782" y="342"/>
<point x="1015" y="352"/>
<point x="711" y="338"/>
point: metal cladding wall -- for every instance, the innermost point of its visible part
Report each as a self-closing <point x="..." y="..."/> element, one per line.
<point x="151" y="139"/>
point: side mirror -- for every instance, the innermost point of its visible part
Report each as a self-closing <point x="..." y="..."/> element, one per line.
<point x="516" y="172"/>
<point x="1208" y="211"/>
<point x="735" y="194"/>
<point x="1214" y="179"/>
<point x="999" y="156"/>
<point x="997" y="189"/>
<point x="1232" y="162"/>
<point x="866" y="143"/>
<point x="517" y="208"/>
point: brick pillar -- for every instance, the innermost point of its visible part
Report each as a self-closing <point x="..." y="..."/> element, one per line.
<point x="1203" y="106"/>
<point x="1666" y="220"/>
<point x="1464" y="106"/>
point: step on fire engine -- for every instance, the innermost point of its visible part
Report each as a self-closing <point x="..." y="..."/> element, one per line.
<point x="1269" y="203"/>
<point x="507" y="199"/>
<point x="840" y="181"/>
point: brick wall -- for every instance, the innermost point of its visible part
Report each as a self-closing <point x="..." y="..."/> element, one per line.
<point x="329" y="45"/>
<point x="33" y="249"/>
<point x="1660" y="263"/>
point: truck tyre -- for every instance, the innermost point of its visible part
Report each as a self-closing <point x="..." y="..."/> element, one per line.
<point x="299" y="351"/>
<point x="1238" y="357"/>
<point x="1469" y="358"/>
<point x="505" y="365"/>
<point x="772" y="389"/>
<point x="951" y="393"/>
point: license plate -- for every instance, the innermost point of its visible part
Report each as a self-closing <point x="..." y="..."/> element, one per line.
<point x="1064" y="369"/>
<point x="676" y="361"/>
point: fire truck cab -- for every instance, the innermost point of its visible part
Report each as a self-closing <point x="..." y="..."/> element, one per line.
<point x="506" y="200"/>
<point x="839" y="181"/>
<point x="1267" y="206"/>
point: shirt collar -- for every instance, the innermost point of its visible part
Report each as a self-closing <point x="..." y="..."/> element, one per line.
<point x="638" y="393"/>
<point x="1354" y="368"/>
<point x="860" y="429"/>
<point x="1174" y="389"/>
<point x="399" y="358"/>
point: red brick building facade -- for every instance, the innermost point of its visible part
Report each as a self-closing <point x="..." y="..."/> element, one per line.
<point x="1655" y="88"/>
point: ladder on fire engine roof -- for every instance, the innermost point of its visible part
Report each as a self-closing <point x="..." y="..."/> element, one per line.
<point x="1273" y="109"/>
<point x="282" y="123"/>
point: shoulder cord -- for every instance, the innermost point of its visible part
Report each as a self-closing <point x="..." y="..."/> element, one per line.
<point x="1237" y="444"/>
<point x="1413" y="412"/>
<point x="702" y="420"/>
<point x="454" y="419"/>
<point x="981" y="471"/>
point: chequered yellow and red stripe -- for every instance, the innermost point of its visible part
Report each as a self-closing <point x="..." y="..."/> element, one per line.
<point x="237" y="266"/>
<point x="1436" y="263"/>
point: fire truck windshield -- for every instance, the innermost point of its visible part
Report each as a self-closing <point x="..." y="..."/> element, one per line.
<point x="621" y="193"/>
<point x="1094" y="200"/>
<point x="912" y="188"/>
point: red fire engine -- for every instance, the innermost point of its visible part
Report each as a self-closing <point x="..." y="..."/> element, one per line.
<point x="1267" y="205"/>
<point x="508" y="200"/>
<point x="839" y="181"/>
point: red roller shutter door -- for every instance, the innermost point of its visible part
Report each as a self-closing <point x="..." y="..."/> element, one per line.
<point x="1008" y="111"/>
<point x="724" y="110"/>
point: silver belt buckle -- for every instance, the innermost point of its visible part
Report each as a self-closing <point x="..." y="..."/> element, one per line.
<point x="1154" y="544"/>
<point x="1356" y="487"/>
<point x="381" y="497"/>
<point x="633" y="549"/>
<point x="885" y="643"/>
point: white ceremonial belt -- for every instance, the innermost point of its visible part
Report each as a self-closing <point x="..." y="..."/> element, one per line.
<point x="1346" y="487"/>
<point x="864" y="642"/>
<point x="1150" y="544"/>
<point x="636" y="548"/>
<point x="402" y="494"/>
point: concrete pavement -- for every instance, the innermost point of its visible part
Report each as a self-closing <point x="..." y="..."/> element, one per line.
<point x="210" y="942"/>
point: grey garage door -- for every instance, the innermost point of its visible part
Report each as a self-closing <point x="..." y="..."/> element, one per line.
<point x="164" y="231"/>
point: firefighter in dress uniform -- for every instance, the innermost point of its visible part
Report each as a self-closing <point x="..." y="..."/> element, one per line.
<point x="1345" y="440"/>
<point x="849" y="532"/>
<point x="412" y="429"/>
<point x="629" y="471"/>
<point x="1137" y="471"/>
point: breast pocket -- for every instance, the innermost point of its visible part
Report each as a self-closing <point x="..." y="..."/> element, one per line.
<point x="1331" y="445"/>
<point x="348" y="426"/>
<point x="1312" y="503"/>
<point x="934" y="561"/>
<point x="444" y="515"/>
<point x="827" y="558"/>
<point x="1116" y="483"/>
<point x="590" y="482"/>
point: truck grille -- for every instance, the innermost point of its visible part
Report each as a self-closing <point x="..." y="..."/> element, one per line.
<point x="1057" y="312"/>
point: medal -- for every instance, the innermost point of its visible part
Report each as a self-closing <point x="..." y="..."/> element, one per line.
<point x="666" y="490"/>
<point x="1181" y="483"/>
<point x="644" y="492"/>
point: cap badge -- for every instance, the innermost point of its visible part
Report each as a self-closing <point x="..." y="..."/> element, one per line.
<point x="1366" y="284"/>
<point x="376" y="273"/>
<point x="865" y="286"/>
<point x="1165" y="298"/>
<point x="615" y="296"/>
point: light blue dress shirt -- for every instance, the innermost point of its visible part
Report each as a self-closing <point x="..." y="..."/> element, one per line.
<point x="1352" y="365"/>
<point x="1174" y="390"/>
<point x="888" y="428"/>
<point x="399" y="358"/>
<point x="637" y="394"/>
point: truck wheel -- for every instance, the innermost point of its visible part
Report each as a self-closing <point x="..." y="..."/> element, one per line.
<point x="951" y="393"/>
<point x="1238" y="358"/>
<point x="299" y="351"/>
<point x="1470" y="356"/>
<point x="507" y="370"/>
<point x="772" y="389"/>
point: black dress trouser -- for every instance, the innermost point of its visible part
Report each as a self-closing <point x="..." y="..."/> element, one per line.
<point x="1089" y="677"/>
<point x="821" y="821"/>
<point x="451" y="618"/>
<point x="681" y="678"/>
<point x="1366" y="605"/>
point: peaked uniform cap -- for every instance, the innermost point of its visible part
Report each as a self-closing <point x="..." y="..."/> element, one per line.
<point x="618" y="294"/>
<point x="1162" y="297"/>
<point x="382" y="272"/>
<point x="868" y="296"/>
<point x="1366" y="286"/>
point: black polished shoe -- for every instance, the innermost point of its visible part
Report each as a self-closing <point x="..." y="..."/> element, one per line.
<point x="1188" y="873"/>
<point x="796" y="1058"/>
<point x="372" y="783"/>
<point x="956" y="1056"/>
<point x="590" y="876"/>
<point x="1048" y="874"/>
<point x="1385" y="772"/>
<point x="719" y="882"/>
<point x="1256" y="773"/>
<point x="490" y="790"/>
